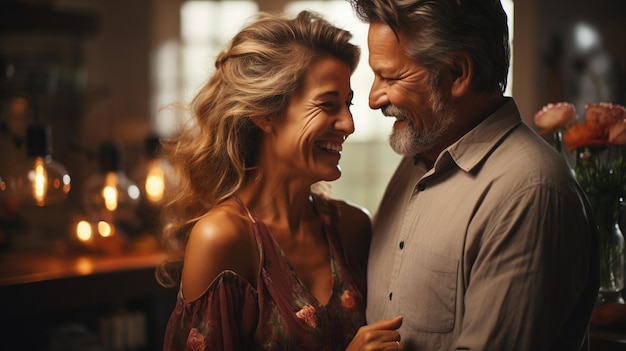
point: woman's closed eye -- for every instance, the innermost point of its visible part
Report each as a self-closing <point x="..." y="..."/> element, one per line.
<point x="330" y="106"/>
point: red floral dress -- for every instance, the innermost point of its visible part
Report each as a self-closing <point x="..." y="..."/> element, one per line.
<point x="279" y="313"/>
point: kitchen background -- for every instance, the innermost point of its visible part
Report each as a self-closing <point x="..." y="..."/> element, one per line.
<point x="106" y="75"/>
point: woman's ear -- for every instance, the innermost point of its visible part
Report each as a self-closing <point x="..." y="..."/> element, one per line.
<point x="462" y="70"/>
<point x="263" y="122"/>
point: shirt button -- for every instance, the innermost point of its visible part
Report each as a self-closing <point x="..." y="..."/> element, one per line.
<point x="390" y="295"/>
<point x="401" y="245"/>
<point x="421" y="187"/>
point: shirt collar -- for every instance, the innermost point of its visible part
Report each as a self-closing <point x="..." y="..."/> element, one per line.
<point x="474" y="146"/>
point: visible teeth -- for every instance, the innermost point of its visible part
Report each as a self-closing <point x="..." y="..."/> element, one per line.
<point x="329" y="146"/>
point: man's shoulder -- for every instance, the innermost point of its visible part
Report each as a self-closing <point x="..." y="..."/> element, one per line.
<point x="525" y="161"/>
<point x="526" y="151"/>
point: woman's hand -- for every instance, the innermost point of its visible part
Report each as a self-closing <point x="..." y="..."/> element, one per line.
<point x="379" y="336"/>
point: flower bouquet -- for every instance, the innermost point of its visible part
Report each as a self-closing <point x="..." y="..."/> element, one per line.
<point x="595" y="148"/>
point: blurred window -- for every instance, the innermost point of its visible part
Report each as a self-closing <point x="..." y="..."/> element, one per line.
<point x="367" y="161"/>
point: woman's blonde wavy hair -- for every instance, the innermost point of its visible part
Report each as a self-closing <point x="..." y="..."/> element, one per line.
<point x="261" y="67"/>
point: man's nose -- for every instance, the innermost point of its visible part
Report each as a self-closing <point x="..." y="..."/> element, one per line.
<point x="377" y="97"/>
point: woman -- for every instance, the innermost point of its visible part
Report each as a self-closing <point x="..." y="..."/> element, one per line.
<point x="266" y="265"/>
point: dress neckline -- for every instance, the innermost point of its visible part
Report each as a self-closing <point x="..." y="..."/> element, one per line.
<point x="331" y="249"/>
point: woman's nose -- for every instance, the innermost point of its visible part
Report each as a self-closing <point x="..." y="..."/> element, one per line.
<point x="345" y="123"/>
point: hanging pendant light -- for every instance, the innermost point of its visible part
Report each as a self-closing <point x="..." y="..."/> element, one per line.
<point x="109" y="194"/>
<point x="40" y="180"/>
<point x="154" y="174"/>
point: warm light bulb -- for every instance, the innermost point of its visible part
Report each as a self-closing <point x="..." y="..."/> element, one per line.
<point x="109" y="192"/>
<point x="154" y="174"/>
<point x="155" y="183"/>
<point x="40" y="181"/>
<point x="83" y="231"/>
<point x="105" y="229"/>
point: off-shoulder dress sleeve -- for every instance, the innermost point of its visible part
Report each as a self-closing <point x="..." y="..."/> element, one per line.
<point x="223" y="318"/>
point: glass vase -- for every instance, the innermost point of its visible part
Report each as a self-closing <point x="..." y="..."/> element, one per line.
<point x="611" y="250"/>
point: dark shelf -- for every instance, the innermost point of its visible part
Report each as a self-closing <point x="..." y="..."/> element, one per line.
<point x="43" y="293"/>
<point x="18" y="17"/>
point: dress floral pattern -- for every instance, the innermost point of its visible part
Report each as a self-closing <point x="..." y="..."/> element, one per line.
<point x="279" y="313"/>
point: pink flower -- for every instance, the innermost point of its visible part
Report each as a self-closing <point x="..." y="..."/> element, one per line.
<point x="617" y="133"/>
<point x="307" y="314"/>
<point x="555" y="116"/>
<point x="605" y="113"/>
<point x="604" y="124"/>
<point x="612" y="117"/>
<point x="347" y="299"/>
<point x="195" y="341"/>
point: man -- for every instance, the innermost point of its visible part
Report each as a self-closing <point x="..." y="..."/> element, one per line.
<point x="483" y="239"/>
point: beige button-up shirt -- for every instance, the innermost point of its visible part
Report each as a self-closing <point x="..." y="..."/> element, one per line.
<point x="491" y="249"/>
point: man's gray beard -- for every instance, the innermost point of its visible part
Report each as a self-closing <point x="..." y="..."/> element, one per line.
<point x="409" y="142"/>
<point x="406" y="141"/>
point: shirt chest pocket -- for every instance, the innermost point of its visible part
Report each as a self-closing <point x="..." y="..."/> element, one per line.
<point x="428" y="292"/>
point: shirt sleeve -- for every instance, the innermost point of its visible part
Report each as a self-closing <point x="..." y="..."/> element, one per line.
<point x="223" y="318"/>
<point x="531" y="286"/>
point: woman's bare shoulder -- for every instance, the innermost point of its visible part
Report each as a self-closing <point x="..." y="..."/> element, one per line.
<point x="224" y="225"/>
<point x="221" y="240"/>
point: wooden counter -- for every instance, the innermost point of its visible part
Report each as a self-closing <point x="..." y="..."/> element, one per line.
<point x="30" y="267"/>
<point x="41" y="290"/>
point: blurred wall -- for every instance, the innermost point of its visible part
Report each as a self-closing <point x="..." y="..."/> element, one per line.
<point x="111" y="82"/>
